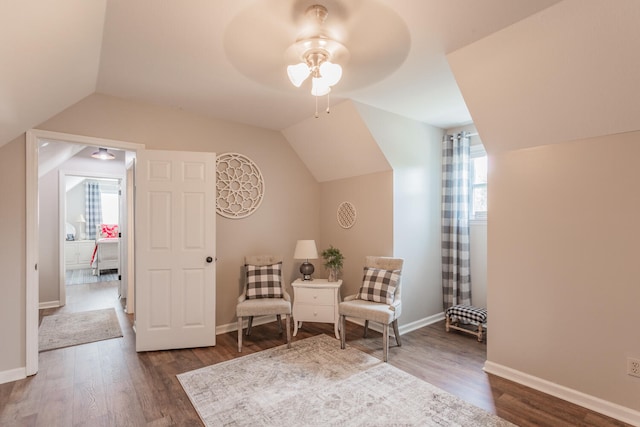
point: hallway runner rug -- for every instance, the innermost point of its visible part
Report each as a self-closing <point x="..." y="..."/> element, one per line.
<point x="315" y="383"/>
<point x="67" y="329"/>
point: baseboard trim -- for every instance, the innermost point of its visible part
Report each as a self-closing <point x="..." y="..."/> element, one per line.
<point x="596" y="404"/>
<point x="426" y="321"/>
<point x="49" y="304"/>
<point x="13" y="375"/>
<point x="230" y="327"/>
<point x="403" y="329"/>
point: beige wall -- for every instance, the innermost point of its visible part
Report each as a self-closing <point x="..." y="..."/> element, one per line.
<point x="372" y="232"/>
<point x="290" y="207"/>
<point x="563" y="256"/>
<point x="398" y="212"/>
<point x="12" y="254"/>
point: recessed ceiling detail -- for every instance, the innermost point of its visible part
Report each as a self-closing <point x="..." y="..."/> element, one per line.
<point x="258" y="41"/>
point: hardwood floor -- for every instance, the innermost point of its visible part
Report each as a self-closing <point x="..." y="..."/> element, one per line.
<point x="107" y="383"/>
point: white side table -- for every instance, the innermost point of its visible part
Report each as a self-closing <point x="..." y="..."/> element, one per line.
<point x="316" y="301"/>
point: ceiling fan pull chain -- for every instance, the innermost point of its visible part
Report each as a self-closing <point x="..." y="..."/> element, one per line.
<point x="316" y="115"/>
<point x="328" y="102"/>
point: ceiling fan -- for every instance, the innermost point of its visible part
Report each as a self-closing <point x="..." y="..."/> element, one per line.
<point x="280" y="44"/>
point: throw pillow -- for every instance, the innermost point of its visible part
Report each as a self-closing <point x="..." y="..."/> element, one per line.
<point x="379" y="285"/>
<point x="264" y="281"/>
<point x="109" y="230"/>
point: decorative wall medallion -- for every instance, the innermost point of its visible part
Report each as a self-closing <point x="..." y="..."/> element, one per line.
<point x="239" y="185"/>
<point x="346" y="215"/>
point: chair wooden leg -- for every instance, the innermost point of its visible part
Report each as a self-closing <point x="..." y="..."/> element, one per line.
<point x="385" y="342"/>
<point x="249" y="325"/>
<point x="239" y="334"/>
<point x="343" y="332"/>
<point x="279" y="319"/>
<point x="366" y="328"/>
<point x="288" y="326"/>
<point x="397" y="334"/>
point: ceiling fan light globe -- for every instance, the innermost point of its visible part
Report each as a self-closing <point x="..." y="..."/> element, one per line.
<point x="330" y="72"/>
<point x="320" y="87"/>
<point x="298" y="73"/>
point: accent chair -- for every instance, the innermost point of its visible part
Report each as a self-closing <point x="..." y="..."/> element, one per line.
<point x="263" y="294"/>
<point x="378" y="299"/>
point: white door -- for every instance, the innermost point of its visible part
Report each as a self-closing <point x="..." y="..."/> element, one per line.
<point x="175" y="250"/>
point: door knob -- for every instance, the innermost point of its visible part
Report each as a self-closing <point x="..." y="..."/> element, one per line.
<point x="209" y="259"/>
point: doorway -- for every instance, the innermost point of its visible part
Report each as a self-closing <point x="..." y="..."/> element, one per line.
<point x="35" y="167"/>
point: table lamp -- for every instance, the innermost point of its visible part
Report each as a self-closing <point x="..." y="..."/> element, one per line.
<point x="306" y="250"/>
<point x="81" y="226"/>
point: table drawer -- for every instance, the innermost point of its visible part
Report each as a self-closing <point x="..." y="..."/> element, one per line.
<point x="313" y="313"/>
<point x="314" y="296"/>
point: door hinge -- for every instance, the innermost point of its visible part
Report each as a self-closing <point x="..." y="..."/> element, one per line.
<point x="36" y="267"/>
<point x="119" y="277"/>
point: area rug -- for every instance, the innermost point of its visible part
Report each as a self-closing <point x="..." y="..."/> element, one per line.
<point x="315" y="383"/>
<point x="67" y="329"/>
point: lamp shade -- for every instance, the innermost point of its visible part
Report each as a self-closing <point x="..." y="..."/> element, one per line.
<point x="330" y="72"/>
<point x="319" y="87"/>
<point x="306" y="249"/>
<point x="81" y="218"/>
<point x="298" y="73"/>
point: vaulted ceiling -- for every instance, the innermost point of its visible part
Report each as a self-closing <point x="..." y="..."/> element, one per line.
<point x="226" y="59"/>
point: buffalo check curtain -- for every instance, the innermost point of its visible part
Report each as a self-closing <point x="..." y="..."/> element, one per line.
<point x="456" y="276"/>
<point x="92" y="207"/>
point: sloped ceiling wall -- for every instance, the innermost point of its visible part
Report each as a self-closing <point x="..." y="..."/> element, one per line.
<point x="49" y="64"/>
<point x="336" y="145"/>
<point x="568" y="72"/>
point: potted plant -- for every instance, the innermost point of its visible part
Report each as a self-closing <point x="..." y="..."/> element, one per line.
<point x="333" y="261"/>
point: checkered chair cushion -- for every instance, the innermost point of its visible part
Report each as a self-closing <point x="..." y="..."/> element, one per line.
<point x="468" y="313"/>
<point x="379" y="285"/>
<point x="264" y="281"/>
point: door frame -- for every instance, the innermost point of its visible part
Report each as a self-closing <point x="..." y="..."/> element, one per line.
<point x="33" y="139"/>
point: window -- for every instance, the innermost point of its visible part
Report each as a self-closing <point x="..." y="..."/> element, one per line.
<point x="110" y="201"/>
<point x="478" y="183"/>
<point x="110" y="208"/>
